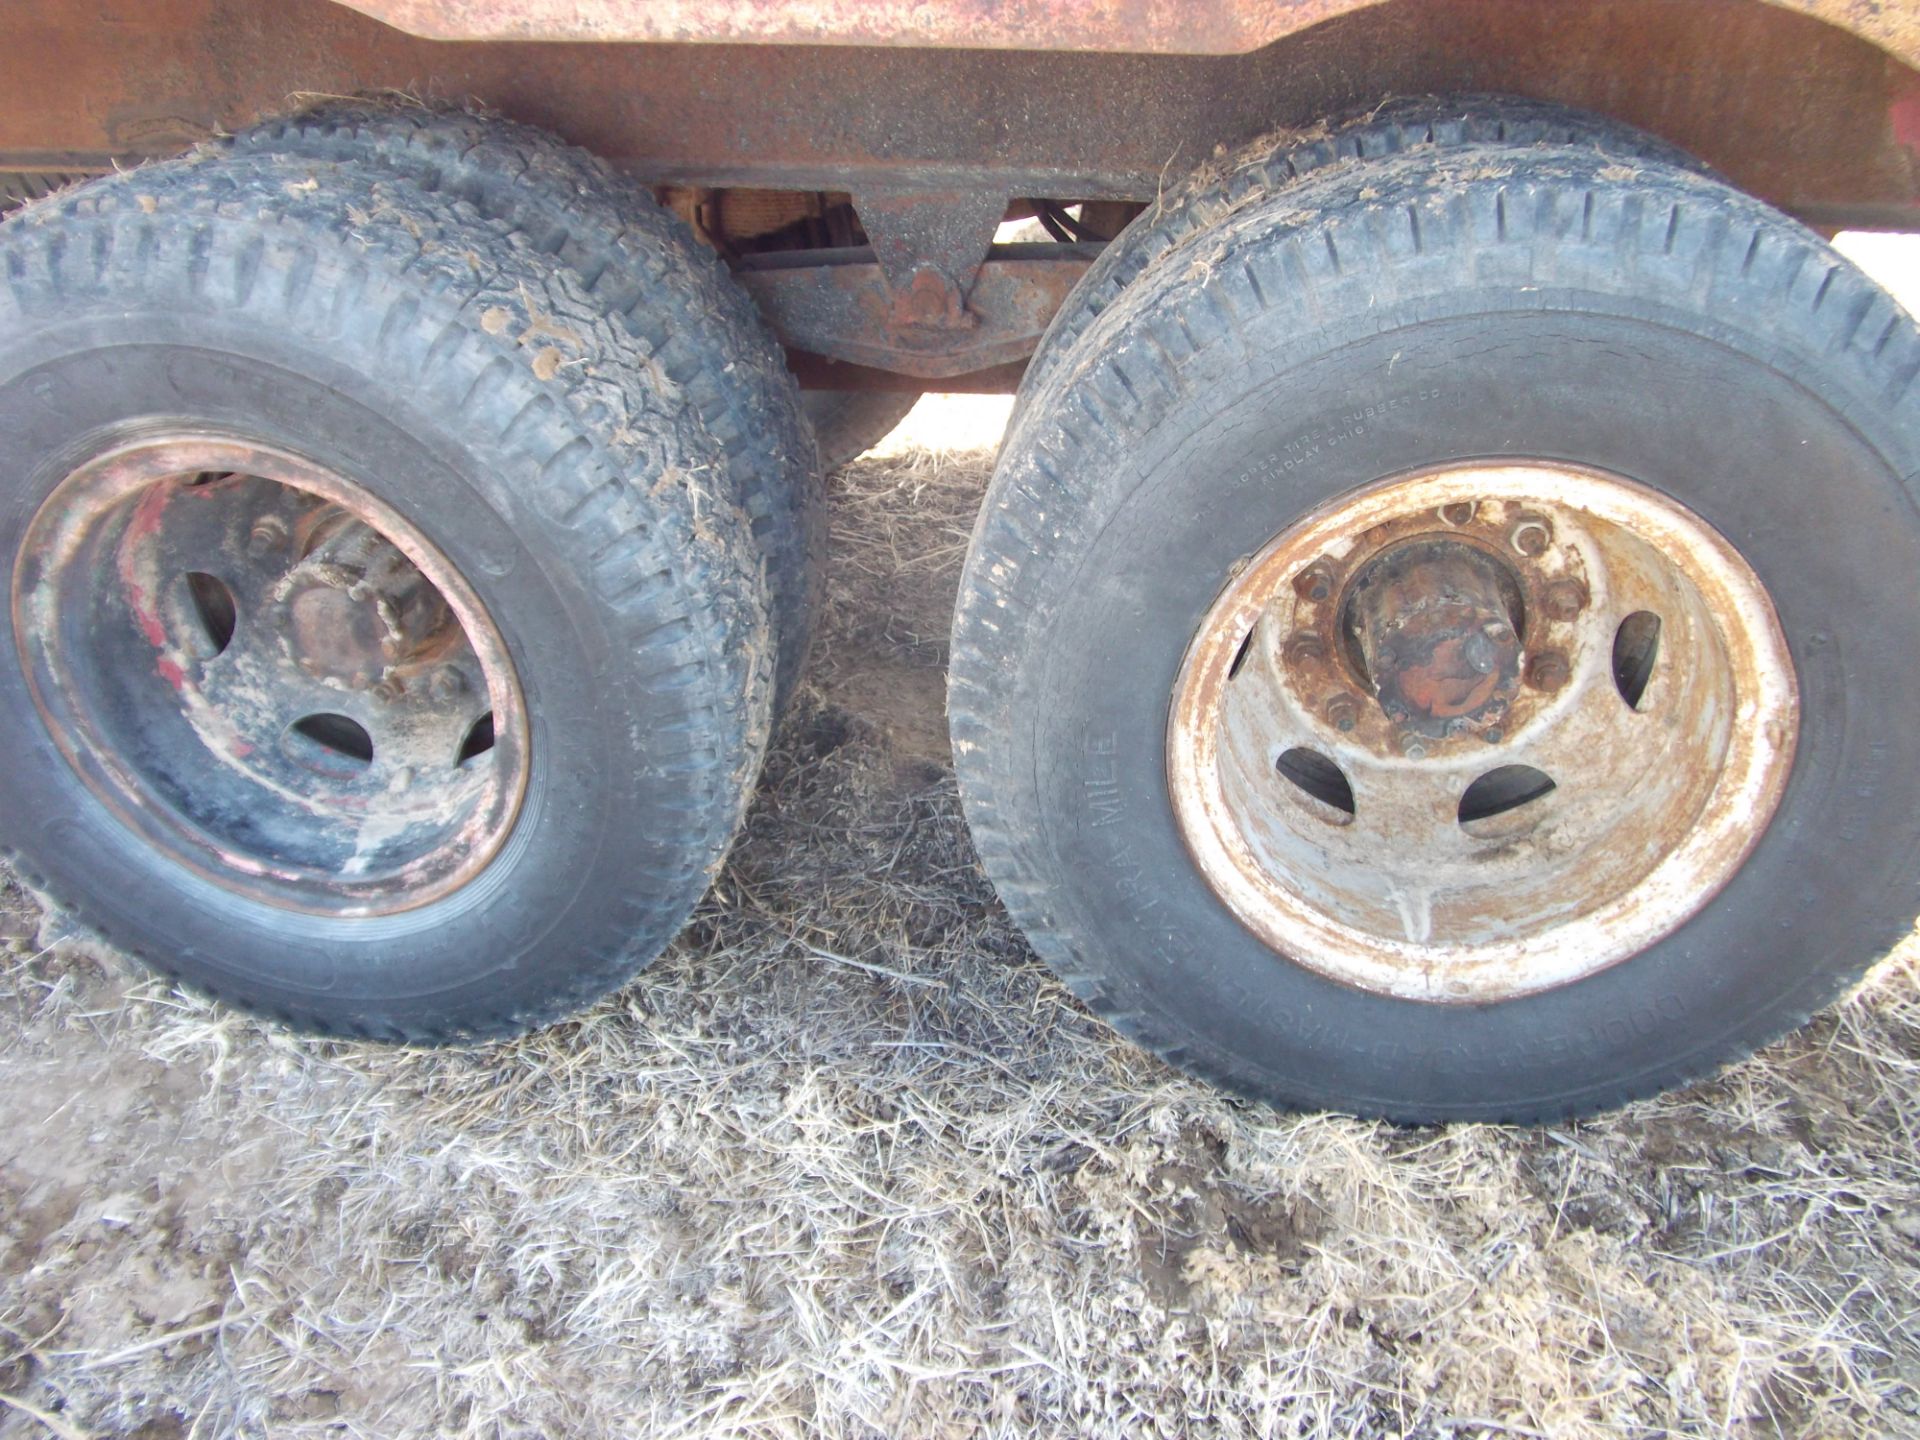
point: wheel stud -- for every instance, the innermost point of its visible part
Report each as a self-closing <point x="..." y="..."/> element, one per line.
<point x="1565" y="599"/>
<point x="1342" y="713"/>
<point x="1530" y="535"/>
<point x="1548" y="671"/>
<point x="1314" y="583"/>
<point x="269" y="534"/>
<point x="1460" y="512"/>
<point x="1304" y="648"/>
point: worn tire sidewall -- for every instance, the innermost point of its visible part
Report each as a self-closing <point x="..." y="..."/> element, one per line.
<point x="1804" y="479"/>
<point x="590" y="808"/>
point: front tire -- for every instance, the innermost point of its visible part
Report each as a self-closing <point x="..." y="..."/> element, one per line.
<point x="1481" y="314"/>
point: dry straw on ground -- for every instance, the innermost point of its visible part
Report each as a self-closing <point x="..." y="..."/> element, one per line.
<point x="847" y="1162"/>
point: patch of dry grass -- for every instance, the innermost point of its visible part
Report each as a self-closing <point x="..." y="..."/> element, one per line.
<point x="848" y="1162"/>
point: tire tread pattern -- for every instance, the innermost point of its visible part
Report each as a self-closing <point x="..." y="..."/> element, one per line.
<point x="646" y="266"/>
<point x="1217" y="189"/>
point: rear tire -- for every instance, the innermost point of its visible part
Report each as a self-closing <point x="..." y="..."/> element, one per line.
<point x="509" y="441"/>
<point x="1551" y="308"/>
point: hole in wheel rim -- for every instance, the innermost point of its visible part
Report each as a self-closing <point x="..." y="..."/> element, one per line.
<point x="1321" y="781"/>
<point x="342" y="739"/>
<point x="214" y="613"/>
<point x="1502" y="790"/>
<point x="479" y="741"/>
<point x="1240" y="655"/>
<point x="1636" y="646"/>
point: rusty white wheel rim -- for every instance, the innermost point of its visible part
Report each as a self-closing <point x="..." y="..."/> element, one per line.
<point x="325" y="719"/>
<point x="1667" y="760"/>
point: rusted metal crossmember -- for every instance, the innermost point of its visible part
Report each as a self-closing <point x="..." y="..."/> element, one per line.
<point x="934" y="317"/>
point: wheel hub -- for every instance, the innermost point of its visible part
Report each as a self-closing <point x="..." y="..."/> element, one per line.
<point x="1476" y="732"/>
<point x="354" y="610"/>
<point x="1434" y="627"/>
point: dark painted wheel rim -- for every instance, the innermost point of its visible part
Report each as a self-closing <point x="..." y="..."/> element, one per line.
<point x="269" y="675"/>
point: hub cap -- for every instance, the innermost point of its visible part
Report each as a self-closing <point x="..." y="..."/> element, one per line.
<point x="270" y="675"/>
<point x="1480" y="731"/>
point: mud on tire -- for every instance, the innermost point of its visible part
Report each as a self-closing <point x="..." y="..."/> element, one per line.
<point x="644" y="266"/>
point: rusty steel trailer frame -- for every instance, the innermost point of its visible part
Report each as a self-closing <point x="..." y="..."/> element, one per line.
<point x="940" y="117"/>
<point x="1151" y="27"/>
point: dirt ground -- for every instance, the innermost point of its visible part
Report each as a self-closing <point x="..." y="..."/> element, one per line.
<point x="847" y="1162"/>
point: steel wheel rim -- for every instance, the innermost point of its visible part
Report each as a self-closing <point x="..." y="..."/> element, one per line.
<point x="1410" y="882"/>
<point x="322" y="721"/>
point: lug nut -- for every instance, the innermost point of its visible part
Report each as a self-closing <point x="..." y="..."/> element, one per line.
<point x="1304" y="647"/>
<point x="389" y="690"/>
<point x="1460" y="512"/>
<point x="1341" y="713"/>
<point x="1565" y="599"/>
<point x="1530" y="535"/>
<point x="269" y="534"/>
<point x="1314" y="583"/>
<point x="447" y="684"/>
<point x="1548" y="671"/>
<point x="1412" y="748"/>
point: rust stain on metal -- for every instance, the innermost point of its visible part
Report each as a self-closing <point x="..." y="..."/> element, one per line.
<point x="1470" y="863"/>
<point x="1390" y="609"/>
<point x="1796" y="102"/>
<point x="324" y="590"/>
<point x="847" y="312"/>
<point x="931" y="300"/>
<point x="1194" y="27"/>
<point x="1435" y="624"/>
<point x="1201" y="27"/>
<point x="1111" y="101"/>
